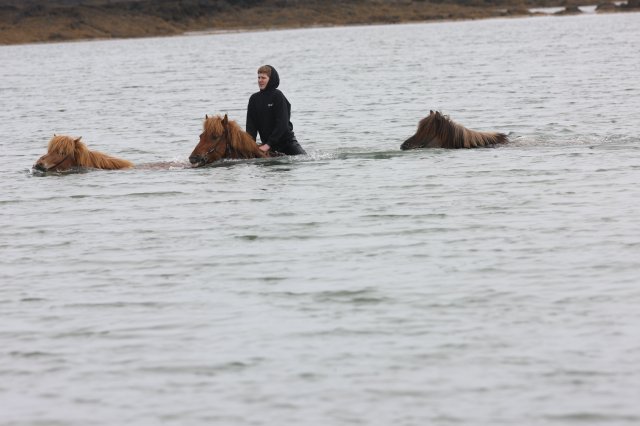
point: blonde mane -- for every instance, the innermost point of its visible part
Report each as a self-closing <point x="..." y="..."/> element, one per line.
<point x="453" y="135"/>
<point x="241" y="144"/>
<point x="83" y="157"/>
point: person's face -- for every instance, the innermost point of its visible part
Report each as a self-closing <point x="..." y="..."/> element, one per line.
<point x="263" y="80"/>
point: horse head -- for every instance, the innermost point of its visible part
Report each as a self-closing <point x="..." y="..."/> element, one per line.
<point x="213" y="143"/>
<point x="426" y="135"/>
<point x="60" y="156"/>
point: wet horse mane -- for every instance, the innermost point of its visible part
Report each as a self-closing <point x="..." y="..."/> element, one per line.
<point x="241" y="144"/>
<point x="453" y="135"/>
<point x="68" y="146"/>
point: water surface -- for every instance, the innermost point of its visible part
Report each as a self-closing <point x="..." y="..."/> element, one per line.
<point x="356" y="285"/>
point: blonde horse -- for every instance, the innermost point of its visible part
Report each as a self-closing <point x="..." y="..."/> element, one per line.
<point x="222" y="138"/>
<point x="439" y="131"/>
<point x="65" y="153"/>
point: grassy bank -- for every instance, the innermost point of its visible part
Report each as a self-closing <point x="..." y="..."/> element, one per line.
<point x="29" y="21"/>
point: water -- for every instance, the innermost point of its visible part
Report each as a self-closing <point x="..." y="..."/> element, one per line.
<point x="356" y="285"/>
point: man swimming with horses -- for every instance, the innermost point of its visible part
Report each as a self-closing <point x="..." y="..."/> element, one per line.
<point x="269" y="114"/>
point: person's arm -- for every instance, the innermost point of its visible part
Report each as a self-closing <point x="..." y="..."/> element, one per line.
<point x="251" y="127"/>
<point x="282" y="120"/>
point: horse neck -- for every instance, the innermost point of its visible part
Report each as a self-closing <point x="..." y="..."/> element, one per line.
<point x="451" y="135"/>
<point x="459" y="136"/>
<point x="98" y="160"/>
<point x="243" y="145"/>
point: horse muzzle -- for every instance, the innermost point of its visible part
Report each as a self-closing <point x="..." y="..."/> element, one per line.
<point x="197" y="160"/>
<point x="408" y="144"/>
<point x="40" y="167"/>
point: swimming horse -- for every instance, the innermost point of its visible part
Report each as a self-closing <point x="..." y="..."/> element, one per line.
<point x="439" y="131"/>
<point x="65" y="153"/>
<point x="222" y="138"/>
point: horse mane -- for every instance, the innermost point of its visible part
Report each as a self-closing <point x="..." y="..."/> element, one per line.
<point x="241" y="143"/>
<point x="453" y="135"/>
<point x="74" y="147"/>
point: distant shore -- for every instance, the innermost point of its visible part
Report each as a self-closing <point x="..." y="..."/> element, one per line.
<point x="33" y="21"/>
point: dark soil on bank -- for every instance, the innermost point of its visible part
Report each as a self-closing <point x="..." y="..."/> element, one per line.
<point x="29" y="21"/>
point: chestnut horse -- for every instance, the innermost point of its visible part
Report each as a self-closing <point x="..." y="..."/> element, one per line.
<point x="221" y="139"/>
<point x="65" y="153"/>
<point x="439" y="131"/>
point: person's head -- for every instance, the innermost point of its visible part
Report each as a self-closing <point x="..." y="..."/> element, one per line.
<point x="264" y="74"/>
<point x="268" y="77"/>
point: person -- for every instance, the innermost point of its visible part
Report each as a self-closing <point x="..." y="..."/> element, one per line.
<point x="269" y="114"/>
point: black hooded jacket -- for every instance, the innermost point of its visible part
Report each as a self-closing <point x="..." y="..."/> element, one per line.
<point x="269" y="114"/>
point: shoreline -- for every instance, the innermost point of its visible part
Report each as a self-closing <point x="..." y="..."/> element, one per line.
<point x="41" y="22"/>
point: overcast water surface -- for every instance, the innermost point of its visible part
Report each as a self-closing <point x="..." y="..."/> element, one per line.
<point x="357" y="285"/>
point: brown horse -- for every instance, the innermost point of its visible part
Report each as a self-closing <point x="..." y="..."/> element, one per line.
<point x="65" y="153"/>
<point x="223" y="138"/>
<point x="439" y="131"/>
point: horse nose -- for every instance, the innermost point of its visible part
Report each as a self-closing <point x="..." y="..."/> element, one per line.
<point x="197" y="160"/>
<point x="408" y="144"/>
<point x="38" y="166"/>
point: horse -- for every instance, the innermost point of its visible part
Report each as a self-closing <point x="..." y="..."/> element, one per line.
<point x="65" y="153"/>
<point x="222" y="138"/>
<point x="439" y="131"/>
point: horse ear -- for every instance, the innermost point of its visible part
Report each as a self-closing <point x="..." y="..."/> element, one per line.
<point x="225" y="120"/>
<point x="206" y="116"/>
<point x="77" y="139"/>
<point x="430" y="112"/>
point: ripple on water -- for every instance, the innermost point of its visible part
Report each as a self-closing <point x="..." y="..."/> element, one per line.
<point x="346" y="286"/>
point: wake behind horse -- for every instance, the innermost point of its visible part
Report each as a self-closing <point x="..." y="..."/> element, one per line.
<point x="439" y="131"/>
<point x="222" y="138"/>
<point x="65" y="153"/>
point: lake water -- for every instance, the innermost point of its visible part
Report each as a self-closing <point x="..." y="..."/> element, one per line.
<point x="358" y="285"/>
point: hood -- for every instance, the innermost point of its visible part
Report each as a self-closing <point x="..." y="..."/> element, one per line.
<point x="274" y="80"/>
